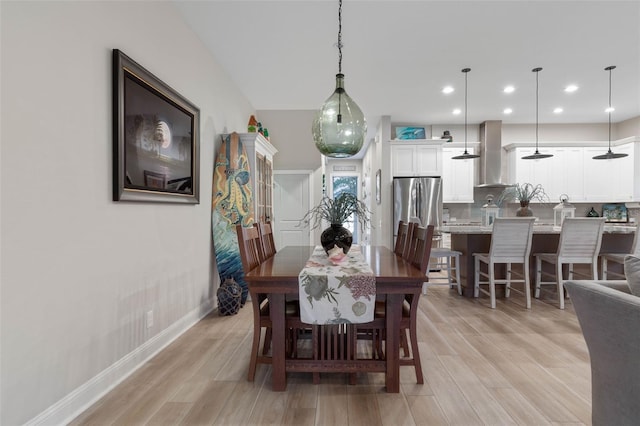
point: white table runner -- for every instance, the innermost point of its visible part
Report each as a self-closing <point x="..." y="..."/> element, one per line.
<point x="337" y="293"/>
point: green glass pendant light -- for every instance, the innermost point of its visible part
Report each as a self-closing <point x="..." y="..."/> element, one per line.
<point x="339" y="127"/>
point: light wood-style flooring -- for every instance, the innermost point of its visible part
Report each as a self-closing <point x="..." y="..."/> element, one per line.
<point x="481" y="366"/>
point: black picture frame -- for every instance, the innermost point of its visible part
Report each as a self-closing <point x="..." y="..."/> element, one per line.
<point x="156" y="140"/>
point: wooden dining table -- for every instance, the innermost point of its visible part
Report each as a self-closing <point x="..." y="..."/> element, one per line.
<point x="278" y="277"/>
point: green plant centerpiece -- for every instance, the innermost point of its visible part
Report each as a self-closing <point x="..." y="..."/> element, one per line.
<point x="523" y="193"/>
<point x="336" y="211"/>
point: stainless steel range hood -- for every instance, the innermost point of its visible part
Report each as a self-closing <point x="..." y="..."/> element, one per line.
<point x="491" y="155"/>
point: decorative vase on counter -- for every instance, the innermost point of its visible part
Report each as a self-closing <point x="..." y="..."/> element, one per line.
<point x="336" y="235"/>
<point x="593" y="213"/>
<point x="524" y="210"/>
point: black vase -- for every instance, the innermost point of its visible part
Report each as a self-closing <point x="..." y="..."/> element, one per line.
<point x="336" y="235"/>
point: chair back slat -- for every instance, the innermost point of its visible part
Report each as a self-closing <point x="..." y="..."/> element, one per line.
<point x="401" y="238"/>
<point x="580" y="239"/>
<point x="410" y="242"/>
<point x="511" y="239"/>
<point x="266" y="239"/>
<point x="250" y="247"/>
<point x="421" y="251"/>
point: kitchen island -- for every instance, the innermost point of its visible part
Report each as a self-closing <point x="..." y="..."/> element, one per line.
<point x="472" y="238"/>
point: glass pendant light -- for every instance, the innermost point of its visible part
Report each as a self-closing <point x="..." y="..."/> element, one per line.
<point x="339" y="127"/>
<point x="536" y="155"/>
<point x="465" y="155"/>
<point x="609" y="155"/>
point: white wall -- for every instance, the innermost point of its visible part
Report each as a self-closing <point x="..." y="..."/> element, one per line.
<point x="78" y="270"/>
<point x="290" y="133"/>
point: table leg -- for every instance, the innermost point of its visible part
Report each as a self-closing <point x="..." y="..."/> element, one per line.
<point x="278" y="342"/>
<point x="393" y="313"/>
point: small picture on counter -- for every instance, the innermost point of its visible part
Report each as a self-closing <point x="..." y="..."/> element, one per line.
<point x="614" y="212"/>
<point x="409" y="133"/>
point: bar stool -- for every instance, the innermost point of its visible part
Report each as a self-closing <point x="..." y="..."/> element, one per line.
<point x="580" y="240"/>
<point x="449" y="260"/>
<point x="605" y="258"/>
<point x="510" y="243"/>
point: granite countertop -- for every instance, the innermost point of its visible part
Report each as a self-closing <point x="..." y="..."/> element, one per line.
<point x="541" y="228"/>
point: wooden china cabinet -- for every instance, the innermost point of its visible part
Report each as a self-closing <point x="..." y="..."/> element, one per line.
<point x="260" y="153"/>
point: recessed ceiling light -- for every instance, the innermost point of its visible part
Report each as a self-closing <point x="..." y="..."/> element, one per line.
<point x="507" y="111"/>
<point x="447" y="90"/>
<point x="509" y="89"/>
<point x="457" y="111"/>
<point x="609" y="109"/>
<point x="557" y="110"/>
<point x="571" y="88"/>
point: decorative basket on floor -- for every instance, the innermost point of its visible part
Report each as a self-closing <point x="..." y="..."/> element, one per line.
<point x="229" y="295"/>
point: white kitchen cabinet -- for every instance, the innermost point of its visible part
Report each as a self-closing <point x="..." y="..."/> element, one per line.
<point x="416" y="158"/>
<point x="457" y="176"/>
<point x="560" y="174"/>
<point x="608" y="180"/>
<point x="573" y="171"/>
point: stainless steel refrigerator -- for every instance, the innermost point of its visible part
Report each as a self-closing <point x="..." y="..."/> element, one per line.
<point x="417" y="199"/>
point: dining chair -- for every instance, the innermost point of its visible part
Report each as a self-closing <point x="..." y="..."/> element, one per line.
<point x="510" y="243"/>
<point x="248" y="244"/>
<point x="580" y="240"/>
<point x="418" y="251"/>
<point x="618" y="258"/>
<point x="419" y="256"/>
<point x="401" y="239"/>
<point x="266" y="239"/>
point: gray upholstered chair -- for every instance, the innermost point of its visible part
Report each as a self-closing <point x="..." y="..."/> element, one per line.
<point x="610" y="320"/>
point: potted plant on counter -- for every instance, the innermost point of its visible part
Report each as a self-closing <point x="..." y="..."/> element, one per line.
<point x="336" y="211"/>
<point x="523" y="193"/>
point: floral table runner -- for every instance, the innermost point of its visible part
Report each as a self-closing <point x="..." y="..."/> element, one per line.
<point x="337" y="292"/>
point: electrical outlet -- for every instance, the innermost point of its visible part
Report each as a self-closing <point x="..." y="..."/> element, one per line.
<point x="149" y="319"/>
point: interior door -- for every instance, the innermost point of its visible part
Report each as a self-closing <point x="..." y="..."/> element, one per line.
<point x="290" y="204"/>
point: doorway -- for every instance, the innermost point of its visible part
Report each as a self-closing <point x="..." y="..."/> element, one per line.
<point x="291" y="202"/>
<point x="347" y="184"/>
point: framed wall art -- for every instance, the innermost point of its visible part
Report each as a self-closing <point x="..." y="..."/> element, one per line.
<point x="410" y="133"/>
<point x="614" y="212"/>
<point x="156" y="143"/>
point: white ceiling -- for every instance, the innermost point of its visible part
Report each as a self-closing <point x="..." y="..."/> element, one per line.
<point x="398" y="55"/>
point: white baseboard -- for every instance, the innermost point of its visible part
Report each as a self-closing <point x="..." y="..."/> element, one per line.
<point x="69" y="407"/>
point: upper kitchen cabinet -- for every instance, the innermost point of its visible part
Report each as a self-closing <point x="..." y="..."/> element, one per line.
<point x="573" y="171"/>
<point x="260" y="153"/>
<point x="416" y="158"/>
<point x="458" y="176"/>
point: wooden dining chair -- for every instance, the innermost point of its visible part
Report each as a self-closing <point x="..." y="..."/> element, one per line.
<point x="419" y="257"/>
<point x="266" y="239"/>
<point x="510" y="243"/>
<point x="418" y="254"/>
<point x="250" y="255"/>
<point x="580" y="240"/>
<point x="401" y="238"/>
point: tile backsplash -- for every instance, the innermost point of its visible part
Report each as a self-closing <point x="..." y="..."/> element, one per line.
<point x="472" y="212"/>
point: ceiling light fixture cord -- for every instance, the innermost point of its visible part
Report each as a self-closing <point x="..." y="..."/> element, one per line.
<point x="610" y="155"/>
<point x="465" y="155"/>
<point x="537" y="155"/>
<point x="339" y="116"/>
<point x="609" y="109"/>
